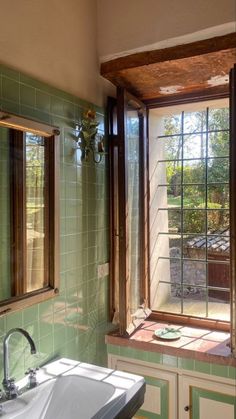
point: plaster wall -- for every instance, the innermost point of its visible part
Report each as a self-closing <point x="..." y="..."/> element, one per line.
<point x="124" y="25"/>
<point x="55" y="42"/>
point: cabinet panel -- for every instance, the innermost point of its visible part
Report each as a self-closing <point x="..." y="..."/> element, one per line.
<point x="202" y="399"/>
<point x="161" y="387"/>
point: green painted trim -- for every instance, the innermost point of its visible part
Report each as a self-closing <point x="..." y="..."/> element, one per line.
<point x="196" y="393"/>
<point x="164" y="398"/>
<point x="143" y="414"/>
<point x="178" y="362"/>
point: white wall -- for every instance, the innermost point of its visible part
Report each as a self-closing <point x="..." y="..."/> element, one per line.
<point x="53" y="41"/>
<point x="124" y="25"/>
<point x="159" y="244"/>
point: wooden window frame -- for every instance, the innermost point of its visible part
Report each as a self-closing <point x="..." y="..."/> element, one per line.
<point x="19" y="298"/>
<point x="118" y="197"/>
<point x="155" y="315"/>
<point x="185" y="319"/>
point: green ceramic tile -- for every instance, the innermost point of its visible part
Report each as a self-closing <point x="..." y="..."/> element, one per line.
<point x="25" y="79"/>
<point x="46" y="345"/>
<point x="45" y="326"/>
<point x="57" y="106"/>
<point x="33" y="330"/>
<point x="10" y="89"/>
<point x="59" y="337"/>
<point x="46" y="308"/>
<point x="10" y="73"/>
<point x="232" y="373"/>
<point x="30" y="314"/>
<point x="186" y="364"/>
<point x="9" y="106"/>
<point x="27" y="95"/>
<point x="82" y="300"/>
<point x="170" y="360"/>
<point x="220" y="370"/>
<point x="204" y="367"/>
<point x="17" y="366"/>
<point x="155" y="357"/>
<point x="43" y="101"/>
<point x="35" y="114"/>
<point x="72" y="350"/>
<point x="2" y="325"/>
<point x="14" y="320"/>
<point x="140" y="354"/>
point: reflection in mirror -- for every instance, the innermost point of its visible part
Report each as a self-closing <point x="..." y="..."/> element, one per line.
<point x="28" y="215"/>
<point x="5" y="284"/>
<point x="35" y="208"/>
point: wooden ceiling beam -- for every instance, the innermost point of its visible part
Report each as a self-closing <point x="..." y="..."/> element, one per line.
<point x="192" y="49"/>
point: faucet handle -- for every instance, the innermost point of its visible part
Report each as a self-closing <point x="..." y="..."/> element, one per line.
<point x="31" y="372"/>
<point x="11" y="389"/>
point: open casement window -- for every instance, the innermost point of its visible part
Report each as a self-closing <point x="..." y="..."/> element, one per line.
<point x="129" y="214"/>
<point x="233" y="205"/>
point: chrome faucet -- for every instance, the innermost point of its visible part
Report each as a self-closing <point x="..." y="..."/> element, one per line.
<point x="8" y="383"/>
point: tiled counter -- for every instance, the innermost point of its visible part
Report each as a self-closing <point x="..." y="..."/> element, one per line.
<point x="175" y="371"/>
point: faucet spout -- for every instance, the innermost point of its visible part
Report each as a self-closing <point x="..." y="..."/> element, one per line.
<point x="8" y="384"/>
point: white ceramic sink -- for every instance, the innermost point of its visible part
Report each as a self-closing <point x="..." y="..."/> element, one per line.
<point x="75" y="391"/>
<point x="68" y="396"/>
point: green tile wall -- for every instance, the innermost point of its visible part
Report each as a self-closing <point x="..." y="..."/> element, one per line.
<point x="74" y="323"/>
<point x="173" y="361"/>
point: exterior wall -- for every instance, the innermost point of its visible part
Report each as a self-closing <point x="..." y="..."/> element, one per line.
<point x="124" y="26"/>
<point x="55" y="42"/>
<point x="159" y="244"/>
<point x="72" y="324"/>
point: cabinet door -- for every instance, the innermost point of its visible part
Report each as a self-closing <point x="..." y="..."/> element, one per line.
<point x="161" y="387"/>
<point x="202" y="399"/>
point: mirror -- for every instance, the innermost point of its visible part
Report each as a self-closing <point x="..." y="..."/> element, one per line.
<point x="28" y="215"/>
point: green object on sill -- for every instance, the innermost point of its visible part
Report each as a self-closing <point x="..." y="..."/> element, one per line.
<point x="168" y="333"/>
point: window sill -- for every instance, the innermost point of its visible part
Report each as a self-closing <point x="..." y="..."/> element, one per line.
<point x="198" y="344"/>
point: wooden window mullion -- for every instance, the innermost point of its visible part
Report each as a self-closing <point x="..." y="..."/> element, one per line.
<point x="18" y="216"/>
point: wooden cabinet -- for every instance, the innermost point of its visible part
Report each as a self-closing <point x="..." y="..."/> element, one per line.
<point x="179" y="394"/>
<point x="206" y="399"/>
<point x="161" y="388"/>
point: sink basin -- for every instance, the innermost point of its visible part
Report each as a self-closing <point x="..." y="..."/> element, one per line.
<point x="70" y="389"/>
<point x="69" y="396"/>
<point x="84" y="397"/>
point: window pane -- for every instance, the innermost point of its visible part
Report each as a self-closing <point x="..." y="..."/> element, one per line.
<point x="219" y="119"/>
<point x="218" y="144"/>
<point x="217" y="220"/>
<point x="194" y="247"/>
<point x="169" y="221"/>
<point x="218" y="245"/>
<point x="194" y="196"/>
<point x="172" y="298"/>
<point x="194" y="221"/>
<point x="194" y="146"/>
<point x="218" y="194"/>
<point x="194" y="273"/>
<point x="193" y="212"/>
<point x="170" y="148"/>
<point x="35" y="205"/>
<point x="218" y="170"/>
<point x="133" y="205"/>
<point x="171" y="125"/>
<point x="194" y="171"/>
<point x="194" y="121"/>
<point x="195" y="301"/>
